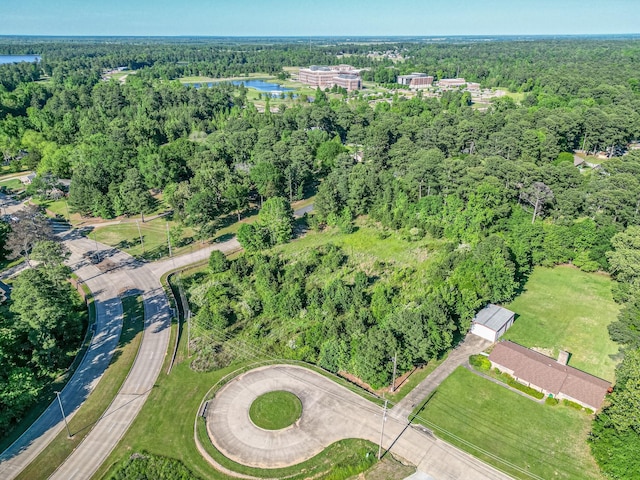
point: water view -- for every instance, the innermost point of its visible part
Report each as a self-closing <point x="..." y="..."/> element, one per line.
<point x="18" y="58"/>
<point x="259" y="85"/>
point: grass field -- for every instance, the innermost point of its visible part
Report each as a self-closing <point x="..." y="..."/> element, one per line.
<point x="566" y="309"/>
<point x="56" y="208"/>
<point x="368" y="244"/>
<point x="89" y="413"/>
<point x="126" y="236"/>
<point x="275" y="410"/>
<point x="546" y="441"/>
<point x="12" y="185"/>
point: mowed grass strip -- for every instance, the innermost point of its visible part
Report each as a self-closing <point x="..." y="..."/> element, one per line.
<point x="275" y="410"/>
<point x="99" y="400"/>
<point x="547" y="441"/>
<point x="563" y="308"/>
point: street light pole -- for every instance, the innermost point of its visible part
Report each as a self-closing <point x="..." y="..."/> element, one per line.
<point x="63" y="415"/>
<point x="384" y="419"/>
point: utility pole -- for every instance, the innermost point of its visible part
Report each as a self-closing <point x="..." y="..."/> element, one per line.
<point x="395" y="364"/>
<point x="63" y="415"/>
<point x="169" y="240"/>
<point x="140" y="233"/>
<point x="384" y="419"/>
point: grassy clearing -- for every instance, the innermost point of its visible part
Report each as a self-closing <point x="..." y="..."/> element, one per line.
<point x="369" y="244"/>
<point x="97" y="403"/>
<point x="566" y="309"/>
<point x="12" y="185"/>
<point x="57" y="208"/>
<point x="517" y="97"/>
<point x="549" y="442"/>
<point x="125" y="236"/>
<point x="275" y="410"/>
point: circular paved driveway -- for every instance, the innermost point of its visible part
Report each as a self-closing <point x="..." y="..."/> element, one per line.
<point x="329" y="413"/>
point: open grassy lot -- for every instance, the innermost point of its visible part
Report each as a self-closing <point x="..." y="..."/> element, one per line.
<point x="89" y="413"/>
<point x="566" y="309"/>
<point x="12" y="185"/>
<point x="545" y="441"/>
<point x="368" y="244"/>
<point x="55" y="208"/>
<point x="126" y="236"/>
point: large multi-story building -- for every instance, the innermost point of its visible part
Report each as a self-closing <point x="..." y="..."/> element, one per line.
<point x="348" y="81"/>
<point x="344" y="76"/>
<point x="415" y="80"/>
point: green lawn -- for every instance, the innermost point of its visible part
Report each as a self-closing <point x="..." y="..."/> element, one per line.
<point x="566" y="309"/>
<point x="100" y="399"/>
<point x="548" y="441"/>
<point x="126" y="236"/>
<point x="12" y="184"/>
<point x="275" y="410"/>
<point x="55" y="207"/>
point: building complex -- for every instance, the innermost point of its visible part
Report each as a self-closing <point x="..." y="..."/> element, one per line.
<point x="344" y="76"/>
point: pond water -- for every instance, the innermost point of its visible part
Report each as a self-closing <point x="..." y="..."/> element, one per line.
<point x="259" y="85"/>
<point x="18" y="58"/>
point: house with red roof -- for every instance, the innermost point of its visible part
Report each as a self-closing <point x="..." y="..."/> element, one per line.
<point x="548" y="375"/>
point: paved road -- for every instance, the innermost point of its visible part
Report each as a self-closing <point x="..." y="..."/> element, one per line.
<point x="330" y="413"/>
<point x="106" y="434"/>
<point x="471" y="345"/>
<point x="118" y="274"/>
<point x="105" y="287"/>
<point x="108" y="431"/>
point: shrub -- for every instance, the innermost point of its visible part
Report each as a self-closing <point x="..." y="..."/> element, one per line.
<point x="480" y="362"/>
<point x="569" y="403"/>
<point x="218" y="262"/>
<point x="551" y="401"/>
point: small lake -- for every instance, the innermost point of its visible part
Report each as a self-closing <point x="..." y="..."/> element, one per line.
<point x="259" y="85"/>
<point x="19" y="58"/>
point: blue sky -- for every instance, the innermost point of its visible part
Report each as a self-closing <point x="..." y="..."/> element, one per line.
<point x="317" y="17"/>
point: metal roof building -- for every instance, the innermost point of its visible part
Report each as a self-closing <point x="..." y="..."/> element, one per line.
<point x="492" y="321"/>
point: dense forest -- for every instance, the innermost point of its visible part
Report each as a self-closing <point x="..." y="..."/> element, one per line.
<point x="497" y="189"/>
